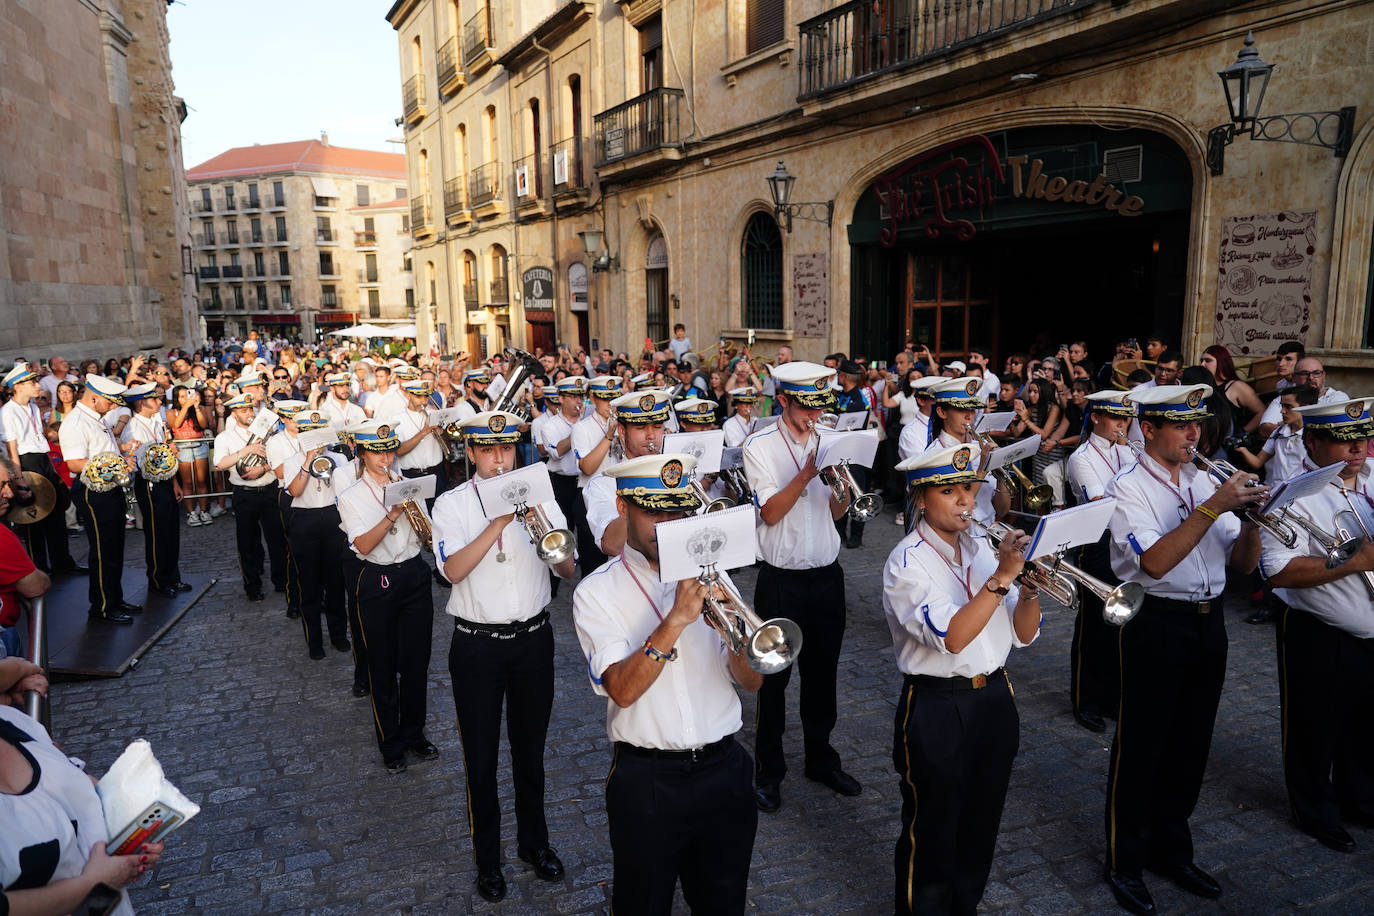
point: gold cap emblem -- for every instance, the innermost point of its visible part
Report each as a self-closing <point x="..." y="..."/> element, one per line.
<point x="671" y="475"/>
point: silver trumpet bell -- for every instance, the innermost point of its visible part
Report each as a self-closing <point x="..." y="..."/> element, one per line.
<point x="709" y="504"/>
<point x="552" y="545"/>
<point x="1340" y="547"/>
<point x="863" y="506"/>
<point x="321" y="468"/>
<point x="769" y="646"/>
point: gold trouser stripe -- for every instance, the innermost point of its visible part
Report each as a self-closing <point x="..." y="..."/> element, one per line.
<point x="906" y="777"/>
<point x="467" y="785"/>
<point x="357" y="637"/>
<point x="1078" y="665"/>
<point x="1120" y="732"/>
<point x="152" y="526"/>
<point x="371" y="688"/>
<point x="615" y="758"/>
<point x="99" y="554"/>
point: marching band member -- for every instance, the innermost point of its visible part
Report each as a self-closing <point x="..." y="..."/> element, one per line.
<point x="1326" y="637"/>
<point x="677" y="797"/>
<point x="314" y="537"/>
<point x="698" y="415"/>
<point x="556" y="439"/>
<point x="640" y="418"/>
<point x="345" y="475"/>
<point x="83" y="436"/>
<point x="800" y="577"/>
<point x="254" y="386"/>
<point x="502" y="650"/>
<point x="257" y="517"/>
<point x="1174" y="534"/>
<point x="395" y="602"/>
<point x="736" y="426"/>
<point x="475" y="384"/>
<point x="1094" y="677"/>
<point x="955" y="613"/>
<point x="157" y="499"/>
<point x="548" y="401"/>
<point x="45" y="541"/>
<point x="387" y="402"/>
<point x="916" y="434"/>
<point x="642" y="382"/>
<point x="420" y="453"/>
<point x="282" y="444"/>
<point x="591" y="445"/>
<point x="341" y="411"/>
<point x="954" y="406"/>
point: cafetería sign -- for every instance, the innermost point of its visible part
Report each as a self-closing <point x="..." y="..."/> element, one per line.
<point x="950" y="187"/>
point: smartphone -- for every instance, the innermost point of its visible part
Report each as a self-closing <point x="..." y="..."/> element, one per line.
<point x="156" y="821"/>
<point x="1133" y="344"/>
<point x="101" y="901"/>
<point x="881" y="365"/>
<point x="751" y="337"/>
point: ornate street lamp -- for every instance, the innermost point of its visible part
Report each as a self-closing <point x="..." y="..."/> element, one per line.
<point x="1244" y="83"/>
<point x="591" y="244"/>
<point x="780" y="189"/>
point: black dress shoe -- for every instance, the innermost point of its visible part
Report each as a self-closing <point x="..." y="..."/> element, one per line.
<point x="361" y="690"/>
<point x="1131" y="894"/>
<point x="395" y="765"/>
<point x="425" y="750"/>
<point x="1332" y="837"/>
<point x="182" y="586"/>
<point x="293" y="613"/>
<point x="491" y="884"/>
<point x="1090" y="720"/>
<point x="1194" y="880"/>
<point x="768" y="798"/>
<point x="116" y="617"/>
<point x="257" y="597"/>
<point x="168" y="592"/>
<point x="73" y="569"/>
<point x="1263" y="615"/>
<point x="128" y="608"/>
<point x="546" y="863"/>
<point x="317" y="654"/>
<point x="341" y="645"/>
<point x="838" y="780"/>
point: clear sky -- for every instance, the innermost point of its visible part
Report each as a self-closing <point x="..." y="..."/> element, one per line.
<point x="272" y="71"/>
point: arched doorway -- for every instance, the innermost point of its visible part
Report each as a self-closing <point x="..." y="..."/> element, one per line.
<point x="1023" y="240"/>
<point x="656" y="292"/>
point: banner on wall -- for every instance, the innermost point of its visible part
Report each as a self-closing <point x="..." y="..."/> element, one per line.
<point x="1264" y="280"/>
<point x="811" y="302"/>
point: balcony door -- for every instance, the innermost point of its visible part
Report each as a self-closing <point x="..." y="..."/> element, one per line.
<point x="656" y="292"/>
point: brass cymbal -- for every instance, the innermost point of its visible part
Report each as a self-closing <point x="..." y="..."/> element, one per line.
<point x="44" y="499"/>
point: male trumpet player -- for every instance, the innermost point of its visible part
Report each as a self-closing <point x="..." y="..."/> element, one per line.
<point x="257" y="517"/>
<point x="420" y="453"/>
<point x="1326" y="635"/>
<point x="21" y="424"/>
<point x="1172" y="532"/>
<point x="800" y="577"/>
<point x="283" y="444"/>
<point x="639" y="421"/>
<point x="677" y="797"/>
<point x="85" y="436"/>
<point x="475" y="385"/>
<point x="591" y="445"/>
<point x="157" y="499"/>
<point x="555" y="437"/>
<point x="1094" y="674"/>
<point x="341" y="411"/>
<point x="502" y="649"/>
<point x="314" y="537"/>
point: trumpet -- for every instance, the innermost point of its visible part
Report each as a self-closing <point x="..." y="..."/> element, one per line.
<point x="321" y="467"/>
<point x="1060" y="580"/>
<point x="862" y="506"/>
<point x="1221" y="472"/>
<point x="1344" y="529"/>
<point x="768" y="645"/>
<point x="415" y="516"/>
<point x="736" y="482"/>
<point x="1035" y="498"/>
<point x="552" y="545"/>
<point x="450" y="439"/>
<point x="709" y="504"/>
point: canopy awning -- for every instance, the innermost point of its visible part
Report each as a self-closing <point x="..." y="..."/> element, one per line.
<point x="324" y="187"/>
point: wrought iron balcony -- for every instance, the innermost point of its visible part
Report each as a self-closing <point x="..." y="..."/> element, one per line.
<point x="421" y="222"/>
<point x="254" y="203"/>
<point x="256" y="238"/>
<point x="204" y="206"/>
<point x="470" y="293"/>
<point x="327" y="236"/>
<point x="499" y="292"/>
<point x="646" y="122"/>
<point x="278" y="236"/>
<point x="450" y="72"/>
<point x="529" y="179"/>
<point x="364" y="238"/>
<point x="232" y="271"/>
<point x="209" y="273"/>
<point x="329" y="300"/>
<point x="368" y="276"/>
<point x="205" y="240"/>
<point x="276" y="203"/>
<point x="484" y="184"/>
<point x="211" y="305"/>
<point x="859" y="39"/>
<point x="478" y="36"/>
<point x="228" y="238"/>
<point x="568" y="156"/>
<point x="413" y="97"/>
<point x="455" y="202"/>
<point x="229" y="204"/>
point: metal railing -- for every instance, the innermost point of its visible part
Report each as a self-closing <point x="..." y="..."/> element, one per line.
<point x="484" y="184"/>
<point x="232" y="271"/>
<point x="534" y="177"/>
<point x="277" y="202"/>
<point x="454" y="202"/>
<point x="278" y="236"/>
<point x="419" y="213"/>
<point x="326" y="235"/>
<point x="327" y="271"/>
<point x="477" y="37"/>
<point x="646" y="122"/>
<point x="413" y="93"/>
<point x="211" y="305"/>
<point x="205" y="240"/>
<point x="204" y="206"/>
<point x="255" y="238"/>
<point x="254" y="203"/>
<point x="499" y="291"/>
<point x="447" y="60"/>
<point x="859" y="39"/>
<point x="470" y="292"/>
<point x="567" y="157"/>
<point x="367" y="276"/>
<point x="229" y="204"/>
<point x="209" y="273"/>
<point x="364" y="238"/>
<point x="35" y="704"/>
<point x="228" y="238"/>
<point x="329" y="300"/>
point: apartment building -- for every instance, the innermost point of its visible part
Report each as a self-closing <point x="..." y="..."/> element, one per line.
<point x="954" y="173"/>
<point x="300" y="238"/>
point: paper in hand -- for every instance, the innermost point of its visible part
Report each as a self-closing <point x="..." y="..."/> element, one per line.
<point x="262" y="424"/>
<point x="857" y="446"/>
<point x="444" y="416"/>
<point x="1073" y="527"/>
<point x="705" y="447"/>
<point x="686" y="546"/>
<point x="1007" y="454"/>
<point x="732" y="457"/>
<point x="416" y="488"/>
<point x="134" y="790"/>
<point x="763" y="423"/>
<point x="857" y="419"/>
<point x="1303" y="485"/>
<point x="312" y="439"/>
<point x="998" y="422"/>
<point x="500" y="495"/>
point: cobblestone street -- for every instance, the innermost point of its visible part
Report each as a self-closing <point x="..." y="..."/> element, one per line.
<point x="299" y="815"/>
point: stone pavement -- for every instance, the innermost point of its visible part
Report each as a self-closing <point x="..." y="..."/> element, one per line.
<point x="300" y="817"/>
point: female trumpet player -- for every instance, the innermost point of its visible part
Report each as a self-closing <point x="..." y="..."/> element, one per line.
<point x="956" y="403"/>
<point x="395" y="601"/>
<point x="955" y="613"/>
<point x="502" y="649"/>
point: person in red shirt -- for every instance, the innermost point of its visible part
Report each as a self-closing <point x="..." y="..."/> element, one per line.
<point x="18" y="576"/>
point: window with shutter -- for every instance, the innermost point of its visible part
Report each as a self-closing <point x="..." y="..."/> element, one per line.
<point x="764" y="23"/>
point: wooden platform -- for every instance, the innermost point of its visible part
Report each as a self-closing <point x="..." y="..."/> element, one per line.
<point x="81" y="647"/>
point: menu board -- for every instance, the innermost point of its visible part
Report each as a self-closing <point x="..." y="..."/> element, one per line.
<point x="1264" y="280"/>
<point x="811" y="283"/>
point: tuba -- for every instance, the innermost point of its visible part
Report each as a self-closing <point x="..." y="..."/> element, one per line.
<point x="516" y="379"/>
<point x="105" y="471"/>
<point x="160" y="461"/>
<point x="768" y="645"/>
<point x="419" y="522"/>
<point x="252" y="461"/>
<point x="708" y="504"/>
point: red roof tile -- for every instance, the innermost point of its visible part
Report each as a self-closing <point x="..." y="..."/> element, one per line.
<point x="299" y="156"/>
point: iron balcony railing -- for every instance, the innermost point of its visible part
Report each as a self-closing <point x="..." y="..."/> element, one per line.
<point x="368" y="276"/>
<point x="209" y="273"/>
<point x="531" y="171"/>
<point x="859" y="39"/>
<point x="447" y="60"/>
<point x="567" y="157"/>
<point x="211" y="305"/>
<point x="326" y="235"/>
<point x="255" y="238"/>
<point x="477" y="37"/>
<point x="646" y="122"/>
<point x="454" y="201"/>
<point x="499" y="292"/>
<point x="419" y="213"/>
<point x="232" y="271"/>
<point x="205" y="240"/>
<point x="279" y="236"/>
<point x="204" y="206"/>
<point x="229" y="203"/>
<point x="484" y="184"/>
<point x="228" y="238"/>
<point x="329" y="300"/>
<point x="470" y="292"/>
<point x="254" y="203"/>
<point x="364" y="238"/>
<point x="276" y="202"/>
<point x="413" y="93"/>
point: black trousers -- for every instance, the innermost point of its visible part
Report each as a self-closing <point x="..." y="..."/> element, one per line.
<point x="46" y="540"/>
<point x="293" y="570"/>
<point x="488" y="672"/>
<point x="157" y="503"/>
<point x="1094" y="674"/>
<point x="589" y="555"/>
<point x="102" y="515"/>
<point x="1173" y="664"/>
<point x="569" y="499"/>
<point x="814" y="600"/>
<point x="675" y="818"/>
<point x="396" y="613"/>
<point x="1326" y="690"/>
<point x="953" y="751"/>
<point x="352" y="575"/>
<point x="318" y="544"/>
<point x="845" y="525"/>
<point x="257" y="520"/>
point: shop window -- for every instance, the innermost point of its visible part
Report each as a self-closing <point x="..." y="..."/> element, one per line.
<point x="761" y="272"/>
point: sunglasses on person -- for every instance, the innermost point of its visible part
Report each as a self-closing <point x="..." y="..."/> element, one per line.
<point x="282" y="378"/>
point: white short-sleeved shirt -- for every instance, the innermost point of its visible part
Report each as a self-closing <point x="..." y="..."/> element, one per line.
<point x="804" y="538"/>
<point x="341" y="413"/>
<point x="1149" y="507"/>
<point x="1286" y="446"/>
<point x="1094" y="464"/>
<point x="736" y="429"/>
<point x="388" y="405"/>
<point x="1273" y="413"/>
<point x="84" y="434"/>
<point x="145" y="430"/>
<point x="427" y="452"/>
<point x="924" y="587"/>
<point x="23" y="425"/>
<point x="915" y="436"/>
<point x="280" y="447"/>
<point x="599" y="496"/>
<point x="983" y="509"/>
<point x="495" y="591"/>
<point x="231" y="440"/>
<point x="1344" y="603"/>
<point x="556" y="428"/>
<point x="587" y="434"/>
<point x="693" y="701"/>
<point x="361" y="508"/>
<point x="317" y="494"/>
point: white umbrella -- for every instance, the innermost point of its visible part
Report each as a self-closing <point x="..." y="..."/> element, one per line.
<point x="361" y="330"/>
<point x="403" y="330"/>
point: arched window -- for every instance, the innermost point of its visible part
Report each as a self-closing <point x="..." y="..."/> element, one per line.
<point x="470" y="298"/>
<point x="761" y="272"/>
<point x="500" y="290"/>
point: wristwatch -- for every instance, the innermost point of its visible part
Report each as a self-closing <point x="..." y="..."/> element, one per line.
<point x="998" y="589"/>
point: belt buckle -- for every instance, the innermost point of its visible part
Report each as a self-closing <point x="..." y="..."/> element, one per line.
<point x="979" y="681"/>
<point x="695" y="752"/>
<point x="1204" y="607"/>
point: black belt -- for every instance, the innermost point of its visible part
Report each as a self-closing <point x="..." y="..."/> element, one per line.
<point x="696" y="754"/>
<point x="557" y="474"/>
<point x="1188" y="608"/>
<point x="502" y="630"/>
<point x="406" y="562"/>
<point x="421" y="472"/>
<point x="240" y="487"/>
<point x="810" y="571"/>
<point x="977" y="682"/>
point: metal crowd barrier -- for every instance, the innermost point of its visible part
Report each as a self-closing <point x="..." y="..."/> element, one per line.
<point x="211" y="444"/>
<point x="35" y="705"/>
